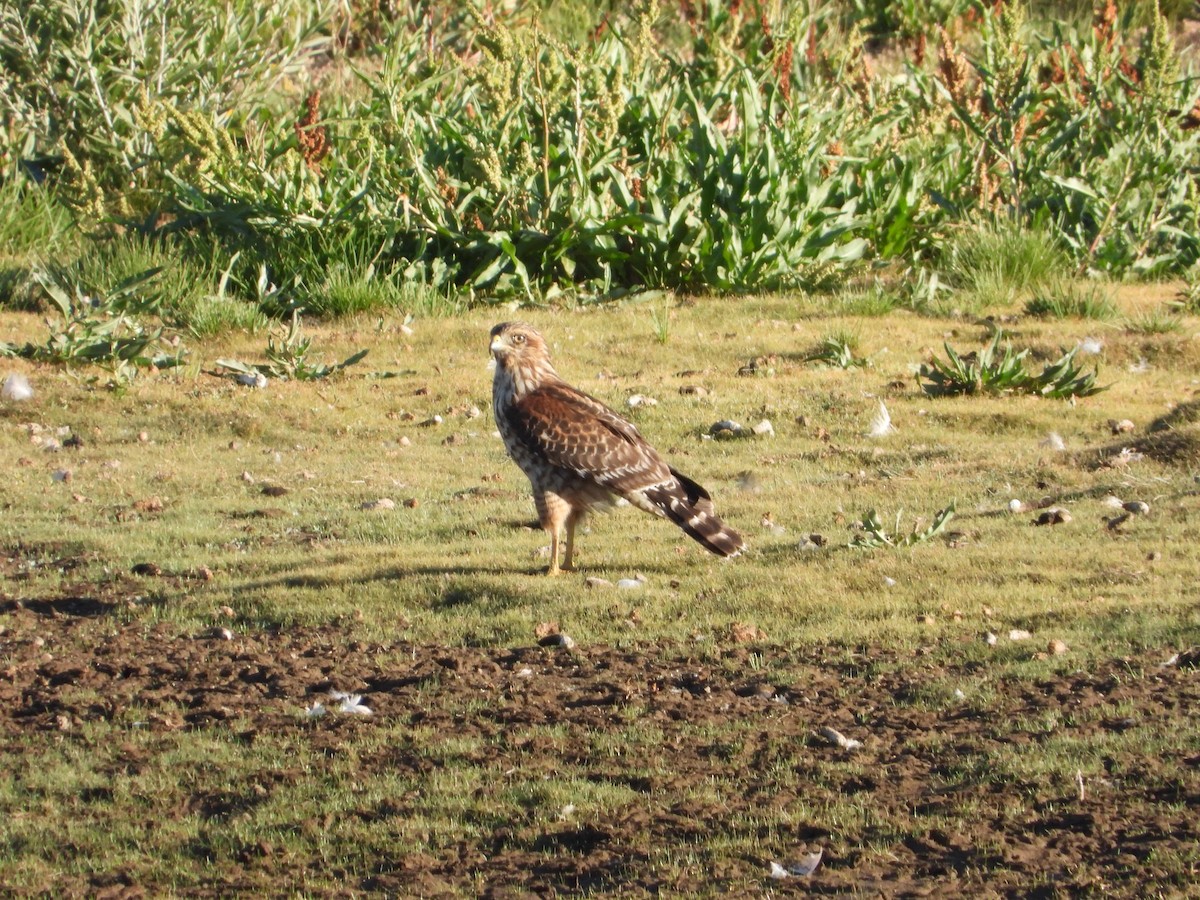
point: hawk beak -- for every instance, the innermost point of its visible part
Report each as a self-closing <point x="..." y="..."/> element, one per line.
<point x="497" y="345"/>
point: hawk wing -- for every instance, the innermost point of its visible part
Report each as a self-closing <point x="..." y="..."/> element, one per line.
<point x="571" y="430"/>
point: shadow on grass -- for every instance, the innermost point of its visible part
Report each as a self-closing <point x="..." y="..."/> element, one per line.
<point x="79" y="607"/>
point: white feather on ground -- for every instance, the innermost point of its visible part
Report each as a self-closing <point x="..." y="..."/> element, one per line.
<point x="16" y="387"/>
<point x="881" y="425"/>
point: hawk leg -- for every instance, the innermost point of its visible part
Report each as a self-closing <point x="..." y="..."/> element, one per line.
<point x="573" y="519"/>
<point x="554" y="512"/>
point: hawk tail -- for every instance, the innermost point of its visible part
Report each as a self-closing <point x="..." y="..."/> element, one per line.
<point x="690" y="507"/>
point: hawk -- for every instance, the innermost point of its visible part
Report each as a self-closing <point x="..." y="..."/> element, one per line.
<point x="579" y="454"/>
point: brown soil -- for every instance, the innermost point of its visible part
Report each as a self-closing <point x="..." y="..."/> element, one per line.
<point x="1020" y="838"/>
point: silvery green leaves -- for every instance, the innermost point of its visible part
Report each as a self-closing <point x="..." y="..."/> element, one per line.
<point x="991" y="371"/>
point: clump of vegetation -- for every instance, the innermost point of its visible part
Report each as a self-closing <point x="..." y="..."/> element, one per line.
<point x="839" y="349"/>
<point x="992" y="371"/>
<point x="103" y="330"/>
<point x="1157" y="321"/>
<point x="994" y="266"/>
<point x="991" y="157"/>
<point x="873" y="301"/>
<point x="1188" y="299"/>
<point x="288" y="357"/>
<point x="1067" y="300"/>
<point x="873" y="533"/>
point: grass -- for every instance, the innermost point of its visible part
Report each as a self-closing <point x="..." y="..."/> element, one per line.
<point x="456" y="564"/>
<point x="456" y="567"/>
<point x="994" y="267"/>
<point x="1158" y="321"/>
<point x="1067" y="300"/>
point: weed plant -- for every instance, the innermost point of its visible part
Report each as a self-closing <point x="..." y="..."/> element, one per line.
<point x="106" y="330"/>
<point x="991" y="371"/>
<point x="742" y="152"/>
<point x="839" y="349"/>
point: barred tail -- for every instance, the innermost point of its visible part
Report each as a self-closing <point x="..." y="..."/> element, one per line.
<point x="690" y="507"/>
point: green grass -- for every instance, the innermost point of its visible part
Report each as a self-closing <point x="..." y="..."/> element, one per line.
<point x="1068" y="300"/>
<point x="33" y="230"/>
<point x="1157" y="321"/>
<point x="993" y="268"/>
<point x="457" y="564"/>
<point x="316" y="806"/>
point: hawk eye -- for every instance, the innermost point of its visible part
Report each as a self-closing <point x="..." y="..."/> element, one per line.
<point x="518" y="338"/>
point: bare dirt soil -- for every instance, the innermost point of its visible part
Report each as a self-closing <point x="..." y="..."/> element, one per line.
<point x="1006" y="838"/>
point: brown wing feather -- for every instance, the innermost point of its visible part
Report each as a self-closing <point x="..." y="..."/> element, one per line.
<point x="574" y="431"/>
<point x="571" y="430"/>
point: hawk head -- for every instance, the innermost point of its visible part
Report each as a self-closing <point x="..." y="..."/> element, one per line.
<point x="518" y="344"/>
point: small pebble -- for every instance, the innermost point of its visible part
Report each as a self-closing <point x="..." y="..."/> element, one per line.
<point x="726" y="428"/>
<point x="251" y="379"/>
<point x="837" y="739"/>
<point x="1053" y="516"/>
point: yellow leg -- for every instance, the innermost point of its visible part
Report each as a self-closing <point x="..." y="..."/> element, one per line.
<point x="569" y="562"/>
<point x="553" y="513"/>
<point x="554" y="569"/>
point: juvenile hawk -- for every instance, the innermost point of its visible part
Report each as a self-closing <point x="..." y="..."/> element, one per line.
<point x="578" y="453"/>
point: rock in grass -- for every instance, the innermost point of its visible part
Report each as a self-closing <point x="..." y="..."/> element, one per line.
<point x="1053" y="516"/>
<point x="251" y="379"/>
<point x="835" y="738"/>
<point x="381" y="503"/>
<point x="726" y="428"/>
<point x="562" y="641"/>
